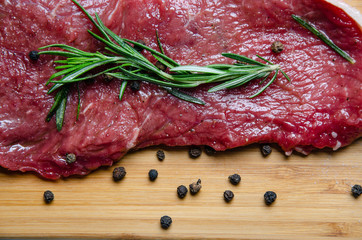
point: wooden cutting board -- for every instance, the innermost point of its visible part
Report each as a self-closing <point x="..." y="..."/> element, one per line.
<point x="314" y="199"/>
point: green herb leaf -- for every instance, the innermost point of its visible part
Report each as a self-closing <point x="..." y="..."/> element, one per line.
<point x="148" y="78"/>
<point x="236" y="82"/>
<point x="79" y="71"/>
<point x="267" y="85"/>
<point x="324" y="38"/>
<point x="122" y="89"/>
<point x="159" y="43"/>
<point x="198" y="69"/>
<point x="67" y="48"/>
<point x="184" y="96"/>
<point x="115" y="37"/>
<point x="60" y="101"/>
<point x="91" y="19"/>
<point x="59" y="53"/>
<point x="167" y="64"/>
<point x="171" y="61"/>
<point x="285" y="75"/>
<point x="57" y="100"/>
<point x="242" y="59"/>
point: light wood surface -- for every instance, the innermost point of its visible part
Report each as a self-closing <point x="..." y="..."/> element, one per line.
<point x="355" y="3"/>
<point x="314" y="200"/>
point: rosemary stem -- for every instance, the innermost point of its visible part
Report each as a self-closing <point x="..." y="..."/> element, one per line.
<point x="324" y="38"/>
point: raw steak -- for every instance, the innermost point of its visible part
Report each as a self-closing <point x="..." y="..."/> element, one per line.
<point x="319" y="108"/>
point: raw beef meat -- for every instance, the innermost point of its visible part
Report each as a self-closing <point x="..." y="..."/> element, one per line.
<point x="319" y="108"/>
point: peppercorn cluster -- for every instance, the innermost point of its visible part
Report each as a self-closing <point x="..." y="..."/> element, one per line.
<point x="119" y="173"/>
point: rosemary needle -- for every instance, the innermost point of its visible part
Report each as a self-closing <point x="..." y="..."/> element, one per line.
<point x="159" y="43"/>
<point x="124" y="62"/>
<point x="324" y="38"/>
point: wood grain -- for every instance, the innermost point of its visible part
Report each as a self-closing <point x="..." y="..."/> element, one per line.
<point x="314" y="200"/>
<point x="355" y="3"/>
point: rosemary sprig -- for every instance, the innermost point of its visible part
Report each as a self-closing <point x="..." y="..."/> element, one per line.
<point x="122" y="61"/>
<point x="324" y="38"/>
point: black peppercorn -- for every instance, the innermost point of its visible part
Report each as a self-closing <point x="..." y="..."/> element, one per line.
<point x="34" y="55"/>
<point x="209" y="150"/>
<point x="356" y="190"/>
<point x="160" y="155"/>
<point x="119" y="173"/>
<point x="161" y="66"/>
<point x="265" y="149"/>
<point x="194" y="152"/>
<point x="152" y="174"/>
<point x="137" y="48"/>
<point x="234" y="179"/>
<point x="277" y="47"/>
<point x="182" y="191"/>
<point x="165" y="222"/>
<point x="270" y="197"/>
<point x="48" y="196"/>
<point x="70" y="158"/>
<point x="195" y="187"/>
<point x="135" y="86"/>
<point x="228" y="195"/>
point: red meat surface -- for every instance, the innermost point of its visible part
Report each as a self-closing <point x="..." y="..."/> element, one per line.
<point x="319" y="108"/>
